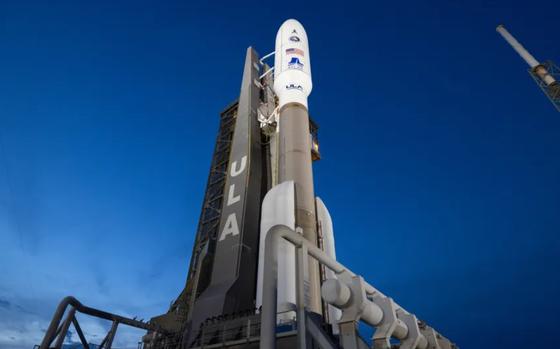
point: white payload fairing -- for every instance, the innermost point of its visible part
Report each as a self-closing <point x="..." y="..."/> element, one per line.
<point x="292" y="65"/>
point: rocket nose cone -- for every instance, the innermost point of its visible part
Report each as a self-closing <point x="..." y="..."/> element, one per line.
<point x="292" y="25"/>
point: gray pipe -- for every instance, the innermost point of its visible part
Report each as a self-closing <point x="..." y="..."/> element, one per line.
<point x="50" y="334"/>
<point x="64" y="328"/>
<point x="270" y="281"/>
<point x="270" y="286"/>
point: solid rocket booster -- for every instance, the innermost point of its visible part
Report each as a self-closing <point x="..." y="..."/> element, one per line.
<point x="292" y="85"/>
<point x="537" y="67"/>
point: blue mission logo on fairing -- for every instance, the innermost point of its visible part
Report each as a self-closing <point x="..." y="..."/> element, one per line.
<point x="294" y="63"/>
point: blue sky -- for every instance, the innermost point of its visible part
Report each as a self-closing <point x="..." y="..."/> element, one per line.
<point x="440" y="155"/>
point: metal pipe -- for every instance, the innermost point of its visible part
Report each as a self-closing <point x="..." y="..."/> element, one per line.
<point x="53" y="326"/>
<point x="302" y="265"/>
<point x="372" y="291"/>
<point x="270" y="282"/>
<point x="80" y="333"/>
<point x="338" y="294"/>
<point x="270" y="279"/>
<point x="64" y="328"/>
<point x="527" y="57"/>
<point x="112" y="317"/>
<point x="266" y="56"/>
<point x="112" y="334"/>
<point x="422" y="342"/>
<point x="50" y="334"/>
<point x="270" y="287"/>
<point x="266" y="73"/>
<point x="335" y="293"/>
<point x="102" y="344"/>
<point x="401" y="331"/>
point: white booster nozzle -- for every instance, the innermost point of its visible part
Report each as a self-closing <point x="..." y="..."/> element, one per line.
<point x="292" y="69"/>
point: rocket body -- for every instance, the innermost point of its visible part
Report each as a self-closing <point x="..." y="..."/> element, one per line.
<point x="292" y="85"/>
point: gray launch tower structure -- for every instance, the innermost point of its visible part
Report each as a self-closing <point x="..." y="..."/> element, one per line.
<point x="263" y="270"/>
<point x="221" y="284"/>
<point x="222" y="278"/>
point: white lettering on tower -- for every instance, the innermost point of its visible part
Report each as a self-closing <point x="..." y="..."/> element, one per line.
<point x="235" y="172"/>
<point x="232" y="199"/>
<point x="231" y="227"/>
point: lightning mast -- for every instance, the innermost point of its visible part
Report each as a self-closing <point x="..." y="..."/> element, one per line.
<point x="546" y="74"/>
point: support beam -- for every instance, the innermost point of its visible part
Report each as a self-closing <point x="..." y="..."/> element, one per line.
<point x="348" y="335"/>
<point x="64" y="328"/>
<point x="111" y="335"/>
<point x="80" y="333"/>
<point x="319" y="336"/>
<point x="301" y="268"/>
<point x="53" y="328"/>
<point x="414" y="339"/>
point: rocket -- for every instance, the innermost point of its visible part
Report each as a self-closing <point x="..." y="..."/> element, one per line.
<point x="292" y="202"/>
<point x="292" y="85"/>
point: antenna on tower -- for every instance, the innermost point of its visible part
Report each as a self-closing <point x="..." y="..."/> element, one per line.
<point x="546" y="74"/>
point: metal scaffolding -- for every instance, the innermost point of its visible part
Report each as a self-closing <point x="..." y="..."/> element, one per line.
<point x="551" y="91"/>
<point x="58" y="328"/>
